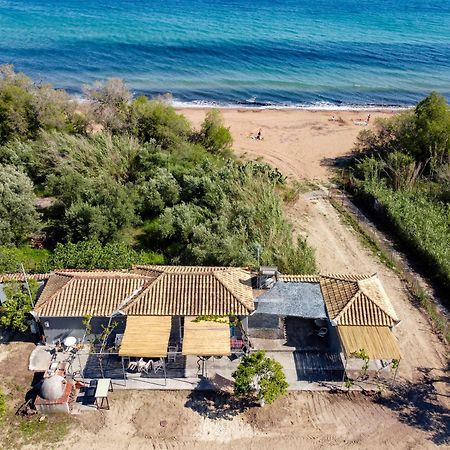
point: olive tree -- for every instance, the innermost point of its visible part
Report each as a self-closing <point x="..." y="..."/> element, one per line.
<point x="261" y="377"/>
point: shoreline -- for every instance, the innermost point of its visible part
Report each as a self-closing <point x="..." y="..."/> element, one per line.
<point x="207" y="105"/>
<point x="311" y="108"/>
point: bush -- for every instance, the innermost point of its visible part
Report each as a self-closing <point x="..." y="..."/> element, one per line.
<point x="214" y="136"/>
<point x="93" y="255"/>
<point x="159" y="122"/>
<point x="404" y="165"/>
<point x="14" y="311"/>
<point x="261" y="377"/>
<point x="26" y="109"/>
<point x="422" y="223"/>
<point x="223" y="216"/>
<point x="18" y="216"/>
<point x="33" y="259"/>
<point x="109" y="100"/>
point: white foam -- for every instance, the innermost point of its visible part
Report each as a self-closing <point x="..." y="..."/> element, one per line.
<point x="319" y="106"/>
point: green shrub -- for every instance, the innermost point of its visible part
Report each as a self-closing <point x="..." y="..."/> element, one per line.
<point x="33" y="259"/>
<point x="260" y="376"/>
<point x="404" y="165"/>
<point x="157" y="121"/>
<point x="93" y="255"/>
<point x="424" y="224"/>
<point x="15" y="309"/>
<point x="213" y="135"/>
<point x="18" y="216"/>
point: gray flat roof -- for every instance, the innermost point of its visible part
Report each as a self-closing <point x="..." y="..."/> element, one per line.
<point x="293" y="299"/>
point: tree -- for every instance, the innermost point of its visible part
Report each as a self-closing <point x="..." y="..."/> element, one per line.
<point x="26" y="109"/>
<point x="259" y="376"/>
<point x="433" y="130"/>
<point x="93" y="255"/>
<point x="14" y="311"/>
<point x="18" y="216"/>
<point x="214" y="136"/>
<point x="17" y="116"/>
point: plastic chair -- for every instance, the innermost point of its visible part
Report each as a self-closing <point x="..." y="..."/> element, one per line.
<point x="158" y="366"/>
<point x="148" y="366"/>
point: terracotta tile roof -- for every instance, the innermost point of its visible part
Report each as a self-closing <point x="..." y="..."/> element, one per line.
<point x="189" y="291"/>
<point x="337" y="294"/>
<point x="352" y="299"/>
<point x="71" y="294"/>
<point x="360" y="302"/>
<point x="300" y="278"/>
<point x="147" y="290"/>
<point x="8" y="277"/>
<point x="317" y="278"/>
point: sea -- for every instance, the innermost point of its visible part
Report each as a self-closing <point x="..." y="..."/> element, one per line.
<point x="320" y="54"/>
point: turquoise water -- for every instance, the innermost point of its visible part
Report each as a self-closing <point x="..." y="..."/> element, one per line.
<point x="259" y="52"/>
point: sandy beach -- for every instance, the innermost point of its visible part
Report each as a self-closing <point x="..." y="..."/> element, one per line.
<point x="301" y="143"/>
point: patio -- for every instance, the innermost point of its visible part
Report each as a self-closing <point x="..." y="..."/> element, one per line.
<point x="310" y="356"/>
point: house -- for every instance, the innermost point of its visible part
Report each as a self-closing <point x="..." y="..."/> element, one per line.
<point x="141" y="300"/>
<point x="316" y="325"/>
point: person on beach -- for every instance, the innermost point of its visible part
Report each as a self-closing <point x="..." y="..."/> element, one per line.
<point x="259" y="135"/>
<point x="368" y="119"/>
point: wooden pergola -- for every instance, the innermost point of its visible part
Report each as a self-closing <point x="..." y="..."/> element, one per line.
<point x="146" y="336"/>
<point x="378" y="343"/>
<point x="206" y="338"/>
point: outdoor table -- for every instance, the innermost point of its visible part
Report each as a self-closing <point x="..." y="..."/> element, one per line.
<point x="104" y="385"/>
<point x="69" y="342"/>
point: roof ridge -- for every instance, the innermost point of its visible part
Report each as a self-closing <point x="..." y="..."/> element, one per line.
<point x="19" y="276"/>
<point x="306" y="278"/>
<point x="347" y="306"/>
<point x="347" y="277"/>
<point x="217" y="275"/>
<point x="49" y="299"/>
<point x="183" y="269"/>
<point x="89" y="274"/>
<point x="147" y="286"/>
<point x="382" y="305"/>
